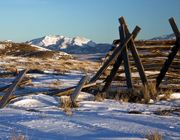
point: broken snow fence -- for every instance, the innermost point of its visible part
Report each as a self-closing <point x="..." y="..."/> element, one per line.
<point x="135" y="56"/>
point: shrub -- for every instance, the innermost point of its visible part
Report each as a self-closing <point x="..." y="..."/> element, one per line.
<point x="154" y="136"/>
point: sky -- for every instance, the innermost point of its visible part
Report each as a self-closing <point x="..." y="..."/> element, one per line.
<point x="22" y="20"/>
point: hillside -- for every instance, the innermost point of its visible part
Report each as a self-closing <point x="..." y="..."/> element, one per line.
<point x="26" y="50"/>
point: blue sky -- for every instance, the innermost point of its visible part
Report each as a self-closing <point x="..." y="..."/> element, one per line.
<point x="23" y="20"/>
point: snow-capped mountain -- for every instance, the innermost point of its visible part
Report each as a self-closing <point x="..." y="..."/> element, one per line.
<point x="70" y="45"/>
<point x="165" y="37"/>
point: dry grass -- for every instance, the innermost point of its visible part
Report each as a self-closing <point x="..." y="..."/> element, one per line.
<point x="141" y="94"/>
<point x="146" y="94"/>
<point x="61" y="66"/>
<point x="167" y="112"/>
<point x="149" y="92"/>
<point x="154" y="136"/>
<point x="125" y="95"/>
<point x="153" y="93"/>
<point x="166" y="94"/>
<point x="25" y="50"/>
<point x="99" y="97"/>
<point x="16" y="49"/>
<point x="18" y="136"/>
<point x="67" y="105"/>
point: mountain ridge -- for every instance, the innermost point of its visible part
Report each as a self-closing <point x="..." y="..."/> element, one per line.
<point x="75" y="45"/>
<point x="165" y="37"/>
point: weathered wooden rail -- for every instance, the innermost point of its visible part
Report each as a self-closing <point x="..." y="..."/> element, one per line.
<point x="153" y="58"/>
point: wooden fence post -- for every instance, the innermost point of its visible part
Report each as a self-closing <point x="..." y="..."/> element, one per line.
<point x="126" y="58"/>
<point x="135" y="55"/>
<point x="172" y="54"/>
<point x="116" y="52"/>
<point x="12" y="88"/>
<point x="76" y="92"/>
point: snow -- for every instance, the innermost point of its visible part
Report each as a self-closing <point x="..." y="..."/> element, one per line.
<point x="40" y="48"/>
<point x="80" y="41"/>
<point x="175" y="96"/>
<point x="2" y="46"/>
<point x="39" y="117"/>
<point x="61" y="41"/>
<point x="76" y="45"/>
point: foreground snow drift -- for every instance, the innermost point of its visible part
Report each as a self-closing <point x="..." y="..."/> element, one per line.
<point x="39" y="117"/>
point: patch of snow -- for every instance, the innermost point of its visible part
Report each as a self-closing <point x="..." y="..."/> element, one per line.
<point x="2" y="46"/>
<point x="175" y="96"/>
<point x="80" y="41"/>
<point x="40" y="48"/>
<point x="34" y="101"/>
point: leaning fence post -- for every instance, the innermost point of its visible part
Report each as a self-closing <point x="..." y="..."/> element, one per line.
<point x="12" y="88"/>
<point x="119" y="60"/>
<point x="172" y="54"/>
<point x="76" y="92"/>
<point x="116" y="52"/>
<point x="135" y="55"/>
<point x="126" y="58"/>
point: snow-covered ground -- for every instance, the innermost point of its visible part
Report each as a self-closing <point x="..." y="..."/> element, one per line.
<point x="39" y="117"/>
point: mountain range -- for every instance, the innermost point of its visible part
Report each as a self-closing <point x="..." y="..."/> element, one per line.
<point x="165" y="37"/>
<point x="76" y="45"/>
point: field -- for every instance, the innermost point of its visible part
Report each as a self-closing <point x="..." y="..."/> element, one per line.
<point x="34" y="114"/>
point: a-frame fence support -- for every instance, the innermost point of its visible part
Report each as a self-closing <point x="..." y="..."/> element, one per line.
<point x="120" y="54"/>
<point x="123" y="30"/>
<point x="116" y="52"/>
<point x="172" y="54"/>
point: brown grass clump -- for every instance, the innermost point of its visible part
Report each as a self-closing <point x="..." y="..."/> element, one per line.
<point x="99" y="97"/>
<point x="67" y="105"/>
<point x="141" y="94"/>
<point x="125" y="95"/>
<point x="149" y="92"/>
<point x="166" y="94"/>
<point x="18" y="136"/>
<point x="17" y="49"/>
<point x="146" y="95"/>
<point x="154" y="136"/>
<point x="166" y="112"/>
<point x="153" y="93"/>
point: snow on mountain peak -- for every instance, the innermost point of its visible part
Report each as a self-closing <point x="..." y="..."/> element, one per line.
<point x="80" y="41"/>
<point x="51" y="40"/>
<point x="61" y="43"/>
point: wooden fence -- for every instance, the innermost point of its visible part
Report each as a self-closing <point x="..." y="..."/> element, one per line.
<point x="154" y="61"/>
